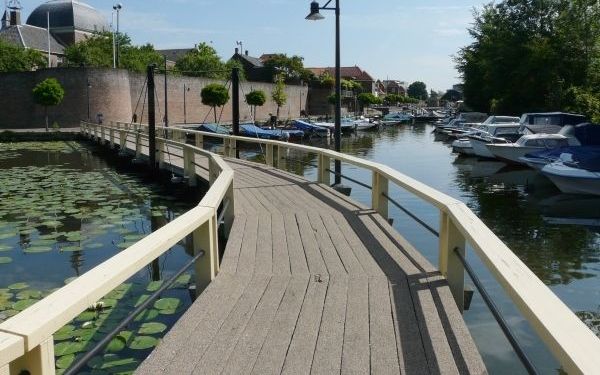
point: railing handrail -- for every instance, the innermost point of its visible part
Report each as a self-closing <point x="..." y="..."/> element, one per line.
<point x="572" y="343"/>
<point x="32" y="327"/>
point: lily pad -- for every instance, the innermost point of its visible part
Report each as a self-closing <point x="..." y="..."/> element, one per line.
<point x="86" y="316"/>
<point x="113" y="364"/>
<point x="166" y="304"/>
<point x="5" y="260"/>
<point x="152" y="328"/>
<point x="153" y="286"/>
<point x="37" y="249"/>
<point x="29" y="294"/>
<point x="65" y="361"/>
<point x="147" y="315"/>
<point x="119" y="342"/>
<point x="70" y="249"/>
<point x="143" y="343"/>
<point x="18" y="286"/>
<point x="23" y="304"/>
<point x="67" y="348"/>
<point x="5" y="248"/>
<point x="5" y="236"/>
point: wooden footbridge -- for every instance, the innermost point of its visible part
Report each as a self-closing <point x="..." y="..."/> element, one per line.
<point x="309" y="281"/>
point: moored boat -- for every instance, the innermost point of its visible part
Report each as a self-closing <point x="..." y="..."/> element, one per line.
<point x="575" y="173"/>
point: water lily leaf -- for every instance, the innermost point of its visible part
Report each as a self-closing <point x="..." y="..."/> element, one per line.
<point x="109" y="303"/>
<point x="94" y="246"/>
<point x="52" y="223"/>
<point x="166" y="304"/>
<point x="70" y="249"/>
<point x="23" y="304"/>
<point x="5" y="236"/>
<point x="5" y="260"/>
<point x="143" y="342"/>
<point x="141" y="299"/>
<point x="183" y="280"/>
<point x="113" y="363"/>
<point x="65" y="333"/>
<point x="29" y="294"/>
<point x="18" y="286"/>
<point x="68" y="347"/>
<point x="86" y="316"/>
<point x="65" y="361"/>
<point x="119" y="342"/>
<point x="153" y="286"/>
<point x="147" y="315"/>
<point x="5" y="248"/>
<point x="152" y="328"/>
<point x="9" y="313"/>
<point x="37" y="249"/>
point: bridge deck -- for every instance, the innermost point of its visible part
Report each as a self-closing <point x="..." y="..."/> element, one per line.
<point x="312" y="282"/>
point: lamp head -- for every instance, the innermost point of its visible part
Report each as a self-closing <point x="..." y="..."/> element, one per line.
<point x="118" y="6"/>
<point x="314" y="14"/>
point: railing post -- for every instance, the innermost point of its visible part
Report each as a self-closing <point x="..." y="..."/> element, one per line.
<point x="38" y="361"/>
<point x="199" y="140"/>
<point x="213" y="172"/>
<point x="225" y="147"/>
<point x="269" y="155"/>
<point x="138" y="145"/>
<point x="111" y="136"/>
<point x="281" y="162"/>
<point x="102" y="135"/>
<point x="323" y="176"/>
<point x="160" y="153"/>
<point x="189" y="167"/>
<point x="232" y="148"/>
<point x="122" y="139"/>
<point x="449" y="263"/>
<point x="380" y="188"/>
<point x="206" y="239"/>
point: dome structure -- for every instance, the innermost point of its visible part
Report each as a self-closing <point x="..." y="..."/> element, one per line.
<point x="70" y="20"/>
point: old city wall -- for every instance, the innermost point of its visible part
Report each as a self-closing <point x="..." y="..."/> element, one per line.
<point x="118" y="94"/>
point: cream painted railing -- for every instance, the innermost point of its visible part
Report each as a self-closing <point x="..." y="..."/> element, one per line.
<point x="572" y="343"/>
<point x="26" y="342"/>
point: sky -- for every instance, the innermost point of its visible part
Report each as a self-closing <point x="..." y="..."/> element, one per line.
<point x="405" y="40"/>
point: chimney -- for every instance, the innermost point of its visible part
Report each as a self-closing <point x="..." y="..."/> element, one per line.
<point x="237" y="50"/>
<point x="246" y="52"/>
<point x="15" y="17"/>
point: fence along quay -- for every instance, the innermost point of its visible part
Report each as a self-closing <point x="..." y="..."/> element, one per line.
<point x="26" y="339"/>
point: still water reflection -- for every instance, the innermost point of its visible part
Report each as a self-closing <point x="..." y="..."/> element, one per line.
<point x="556" y="235"/>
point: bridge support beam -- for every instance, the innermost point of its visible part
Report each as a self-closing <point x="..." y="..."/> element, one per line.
<point x="450" y="265"/>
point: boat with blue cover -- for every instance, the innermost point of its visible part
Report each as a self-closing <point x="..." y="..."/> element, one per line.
<point x="214" y="128"/>
<point x="310" y="129"/>
<point x="253" y="131"/>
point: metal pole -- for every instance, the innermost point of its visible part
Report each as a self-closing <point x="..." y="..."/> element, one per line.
<point x="166" y="97"/>
<point x="338" y="96"/>
<point x="117" y="54"/>
<point x="235" y="100"/>
<point x="48" y="32"/>
<point x="114" y="41"/>
<point x="184" y="105"/>
<point x="151" y="118"/>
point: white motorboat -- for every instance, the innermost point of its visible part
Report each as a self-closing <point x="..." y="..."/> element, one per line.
<point x="496" y="133"/>
<point x="527" y="144"/>
<point x="571" y="178"/>
<point x="463" y="146"/>
<point x="396" y="118"/>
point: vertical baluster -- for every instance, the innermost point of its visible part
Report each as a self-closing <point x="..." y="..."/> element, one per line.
<point x="199" y="140"/>
<point x="189" y="167"/>
<point x="37" y="361"/>
<point x="323" y="176"/>
<point x="205" y="239"/>
<point x="281" y="157"/>
<point x="450" y="265"/>
<point x="269" y="155"/>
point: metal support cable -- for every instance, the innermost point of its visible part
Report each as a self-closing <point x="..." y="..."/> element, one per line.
<point x="75" y="369"/>
<point x="350" y="179"/>
<point x="497" y="315"/>
<point x="413" y="216"/>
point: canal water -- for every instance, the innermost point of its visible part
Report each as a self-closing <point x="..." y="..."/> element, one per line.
<point x="556" y="235"/>
<point x="65" y="209"/>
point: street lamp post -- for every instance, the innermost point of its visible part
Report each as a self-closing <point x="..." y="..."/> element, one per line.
<point x="117" y="7"/>
<point x="185" y="90"/>
<point x="315" y="15"/>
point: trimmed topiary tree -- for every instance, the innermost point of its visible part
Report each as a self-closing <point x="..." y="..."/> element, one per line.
<point x="215" y="95"/>
<point x="48" y="93"/>
<point x="256" y="98"/>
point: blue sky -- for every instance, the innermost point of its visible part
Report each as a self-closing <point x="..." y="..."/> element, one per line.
<point x="398" y="39"/>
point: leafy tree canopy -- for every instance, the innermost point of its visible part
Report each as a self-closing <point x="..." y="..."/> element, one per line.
<point x="367" y="99"/>
<point x="417" y="90"/>
<point x="291" y="68"/>
<point x="527" y="55"/>
<point x="452" y="96"/>
<point x="48" y="93"/>
<point x="215" y="95"/>
<point x="279" y="95"/>
<point x="351" y="85"/>
<point x="17" y="59"/>
<point x="97" y="51"/>
<point x="202" y="61"/>
<point x="256" y="98"/>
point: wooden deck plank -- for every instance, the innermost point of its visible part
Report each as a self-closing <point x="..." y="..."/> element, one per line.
<point x="298" y="261"/>
<point x="281" y="256"/>
<point x="356" y="354"/>
<point x="234" y="245"/>
<point x="342" y="246"/>
<point x="328" y="353"/>
<point x="328" y="251"/>
<point x="264" y="246"/>
<point x="384" y="356"/>
<point x="248" y="250"/>
<point x="273" y="353"/>
<point x="216" y="355"/>
<point x="314" y="258"/>
<point x="302" y="347"/>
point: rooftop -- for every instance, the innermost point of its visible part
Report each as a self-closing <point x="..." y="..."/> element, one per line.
<point x="70" y="14"/>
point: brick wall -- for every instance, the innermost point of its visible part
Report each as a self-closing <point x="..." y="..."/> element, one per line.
<point x="115" y="94"/>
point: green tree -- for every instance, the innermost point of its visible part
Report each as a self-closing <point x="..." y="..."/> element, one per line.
<point x="48" y="93"/>
<point x="452" y="96"/>
<point x="17" y="59"/>
<point x="256" y="98"/>
<point x="214" y="95"/>
<point x="326" y="80"/>
<point x="417" y="90"/>
<point x="393" y="99"/>
<point x="366" y="99"/>
<point x="97" y="51"/>
<point x="278" y="95"/>
<point x="203" y="61"/>
<point x="291" y="68"/>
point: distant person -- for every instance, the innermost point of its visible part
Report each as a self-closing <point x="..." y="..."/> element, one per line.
<point x="273" y="121"/>
<point x="134" y="118"/>
<point x="99" y="118"/>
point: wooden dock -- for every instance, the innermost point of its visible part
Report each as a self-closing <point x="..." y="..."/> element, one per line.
<point x="313" y="282"/>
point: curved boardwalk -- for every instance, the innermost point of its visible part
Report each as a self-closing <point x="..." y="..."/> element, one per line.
<point x="312" y="282"/>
